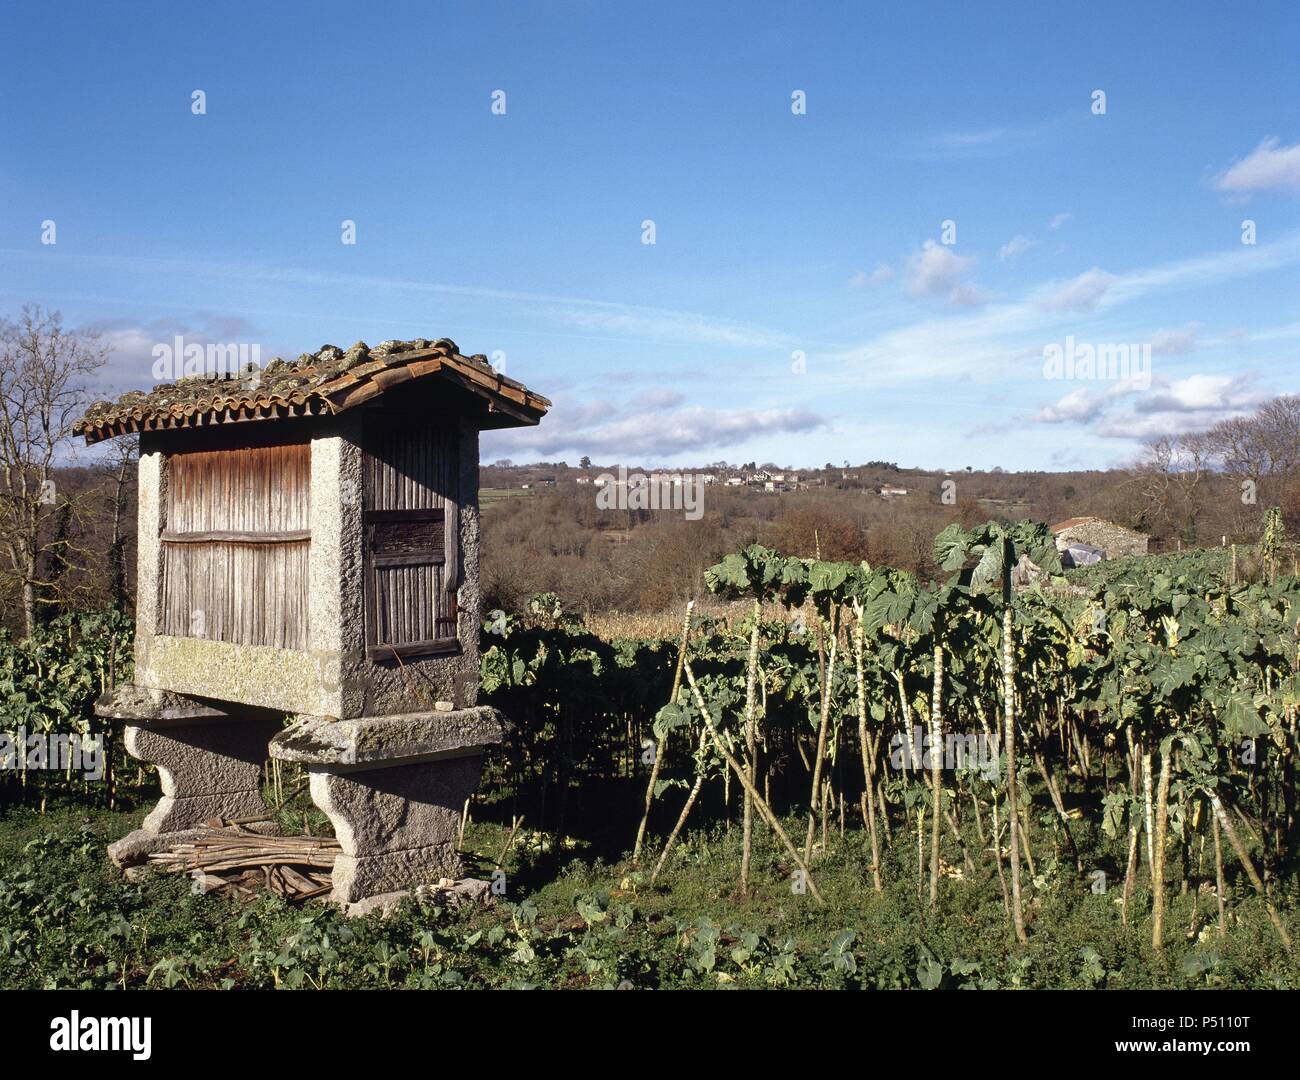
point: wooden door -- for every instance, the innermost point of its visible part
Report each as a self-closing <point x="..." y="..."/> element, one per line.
<point x="412" y="539"/>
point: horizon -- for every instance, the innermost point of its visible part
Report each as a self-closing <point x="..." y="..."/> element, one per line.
<point x="872" y="230"/>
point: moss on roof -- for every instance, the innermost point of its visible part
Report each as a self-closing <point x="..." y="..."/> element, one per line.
<point x="279" y="382"/>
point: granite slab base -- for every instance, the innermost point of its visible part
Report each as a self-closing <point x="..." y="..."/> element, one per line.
<point x="394" y="788"/>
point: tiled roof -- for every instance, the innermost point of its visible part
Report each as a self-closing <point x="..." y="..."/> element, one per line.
<point x="1072" y="523"/>
<point x="327" y="381"/>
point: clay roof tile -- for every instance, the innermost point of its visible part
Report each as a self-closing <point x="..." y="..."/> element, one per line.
<point x="319" y="376"/>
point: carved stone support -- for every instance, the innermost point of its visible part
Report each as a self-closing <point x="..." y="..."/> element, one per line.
<point x="398" y="827"/>
<point x="209" y="763"/>
<point x="394" y="788"/>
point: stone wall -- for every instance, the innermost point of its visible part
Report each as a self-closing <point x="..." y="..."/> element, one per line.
<point x="1115" y="540"/>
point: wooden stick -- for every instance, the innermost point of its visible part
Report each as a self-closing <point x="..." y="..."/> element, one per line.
<point x="661" y="743"/>
<point x="1249" y="867"/>
<point x="759" y="801"/>
<point x="514" y="828"/>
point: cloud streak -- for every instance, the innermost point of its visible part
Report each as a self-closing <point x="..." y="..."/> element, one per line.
<point x="1005" y="340"/>
<point x="1017" y="245"/>
<point x="614" y="319"/>
<point x="1269" y="167"/>
<point x="1082" y="293"/>
<point x="651" y="431"/>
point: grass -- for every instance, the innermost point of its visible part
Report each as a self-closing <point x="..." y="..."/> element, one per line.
<point x="489" y="495"/>
<point x="570" y="919"/>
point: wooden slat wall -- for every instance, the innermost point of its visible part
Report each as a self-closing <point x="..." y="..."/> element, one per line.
<point x="241" y="591"/>
<point x="411" y="468"/>
<point x="411" y="605"/>
<point x="251" y="489"/>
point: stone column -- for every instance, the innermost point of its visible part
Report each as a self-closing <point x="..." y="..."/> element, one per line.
<point x="149" y="526"/>
<point x="397" y="826"/>
<point x="394" y="788"/>
<point x="209" y="763"/>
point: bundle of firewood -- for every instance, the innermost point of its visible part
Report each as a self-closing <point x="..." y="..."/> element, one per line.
<point x="235" y="859"/>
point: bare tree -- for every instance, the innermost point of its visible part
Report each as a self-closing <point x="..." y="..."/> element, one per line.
<point x="1218" y="480"/>
<point x="1262" y="446"/>
<point x="43" y="374"/>
<point x="119" y="468"/>
<point x="1168" y="482"/>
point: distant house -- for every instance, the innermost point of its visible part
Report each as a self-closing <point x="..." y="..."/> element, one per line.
<point x="709" y="478"/>
<point x="735" y="481"/>
<point x="583" y="480"/>
<point x="891" y="491"/>
<point x="1090" y="535"/>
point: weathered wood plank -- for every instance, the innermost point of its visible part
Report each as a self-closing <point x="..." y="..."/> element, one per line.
<point x="236" y="544"/>
<point x="229" y="536"/>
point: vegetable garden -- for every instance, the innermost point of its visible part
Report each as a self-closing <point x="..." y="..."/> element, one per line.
<point x="1156" y="705"/>
<point x="850" y="777"/>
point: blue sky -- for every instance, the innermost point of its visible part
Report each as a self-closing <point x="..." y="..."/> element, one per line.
<point x="777" y="236"/>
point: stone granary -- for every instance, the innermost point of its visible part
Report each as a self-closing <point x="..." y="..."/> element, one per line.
<point x="308" y="545"/>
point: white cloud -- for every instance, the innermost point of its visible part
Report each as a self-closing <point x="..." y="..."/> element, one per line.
<point x="878" y="276"/>
<point x="656" y="324"/>
<point x="1058" y="220"/>
<point x="661" y="398"/>
<point x="1017" y="245"/>
<point x="977" y="137"/>
<point x="994" y="139"/>
<point x="1175" y="342"/>
<point x="595" y="318"/>
<point x="130" y="345"/>
<point x="1202" y="394"/>
<point x="1269" y="166"/>
<point x="938" y="271"/>
<point x="1079" y="406"/>
<point x="1166" y="407"/>
<point x="1082" y="293"/>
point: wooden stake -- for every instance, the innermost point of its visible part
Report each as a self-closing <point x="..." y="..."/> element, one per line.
<point x="759" y="802"/>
